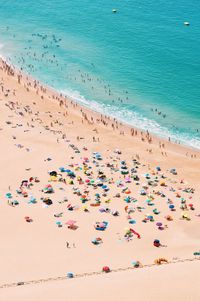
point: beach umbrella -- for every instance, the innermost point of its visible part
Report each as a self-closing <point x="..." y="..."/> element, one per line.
<point x="171" y="206"/>
<point x="123" y="167"/>
<point x="71" y="174"/>
<point x="28" y="219"/>
<point x="115" y="213"/>
<point x="47" y="201"/>
<point x="173" y="171"/>
<point x="136" y="264"/>
<point x="156" y="243"/>
<point x="105" y="187"/>
<point x="8" y="195"/>
<point x="58" y="223"/>
<point x="118" y="182"/>
<point x="185" y="215"/>
<point x="143" y="192"/>
<point x="127" y="199"/>
<point x="70" y="222"/>
<point x="15" y="202"/>
<point x="53" y="173"/>
<point x="132" y="221"/>
<point x="24" y="183"/>
<point x="32" y="200"/>
<point x="106" y="269"/>
<point x="124" y="172"/>
<point x="158" y="224"/>
<point x="102" y="225"/>
<point x="70" y="275"/>
<point x="94" y="241"/>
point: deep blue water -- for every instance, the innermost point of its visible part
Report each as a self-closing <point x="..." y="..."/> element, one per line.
<point x="132" y="64"/>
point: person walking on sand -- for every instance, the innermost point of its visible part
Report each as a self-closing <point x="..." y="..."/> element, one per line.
<point x="67" y="245"/>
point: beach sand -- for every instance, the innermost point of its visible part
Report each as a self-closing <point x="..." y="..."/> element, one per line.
<point x="38" y="129"/>
<point x="165" y="283"/>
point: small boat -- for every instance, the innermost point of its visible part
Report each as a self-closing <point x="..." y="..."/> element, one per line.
<point x="114" y="10"/>
<point x="186" y="23"/>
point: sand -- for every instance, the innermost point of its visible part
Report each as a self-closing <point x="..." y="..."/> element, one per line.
<point x="164" y="283"/>
<point x="37" y="124"/>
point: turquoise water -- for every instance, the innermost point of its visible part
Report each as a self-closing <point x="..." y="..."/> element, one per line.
<point x="141" y="64"/>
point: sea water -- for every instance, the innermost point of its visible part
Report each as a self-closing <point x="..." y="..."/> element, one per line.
<point x="140" y="64"/>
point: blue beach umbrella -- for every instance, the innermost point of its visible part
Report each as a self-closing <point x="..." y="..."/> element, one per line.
<point x="58" y="223"/>
<point x="70" y="275"/>
<point x="132" y="221"/>
<point x="127" y="199"/>
<point x="8" y="195"/>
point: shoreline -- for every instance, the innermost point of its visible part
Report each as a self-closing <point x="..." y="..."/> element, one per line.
<point x="126" y="126"/>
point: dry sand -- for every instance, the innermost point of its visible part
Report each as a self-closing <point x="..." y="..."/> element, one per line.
<point x="162" y="283"/>
<point x="37" y="124"/>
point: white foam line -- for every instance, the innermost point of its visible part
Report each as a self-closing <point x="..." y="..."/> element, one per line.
<point x="133" y="119"/>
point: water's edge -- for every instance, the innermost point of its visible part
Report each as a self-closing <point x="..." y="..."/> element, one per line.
<point x="93" y="106"/>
